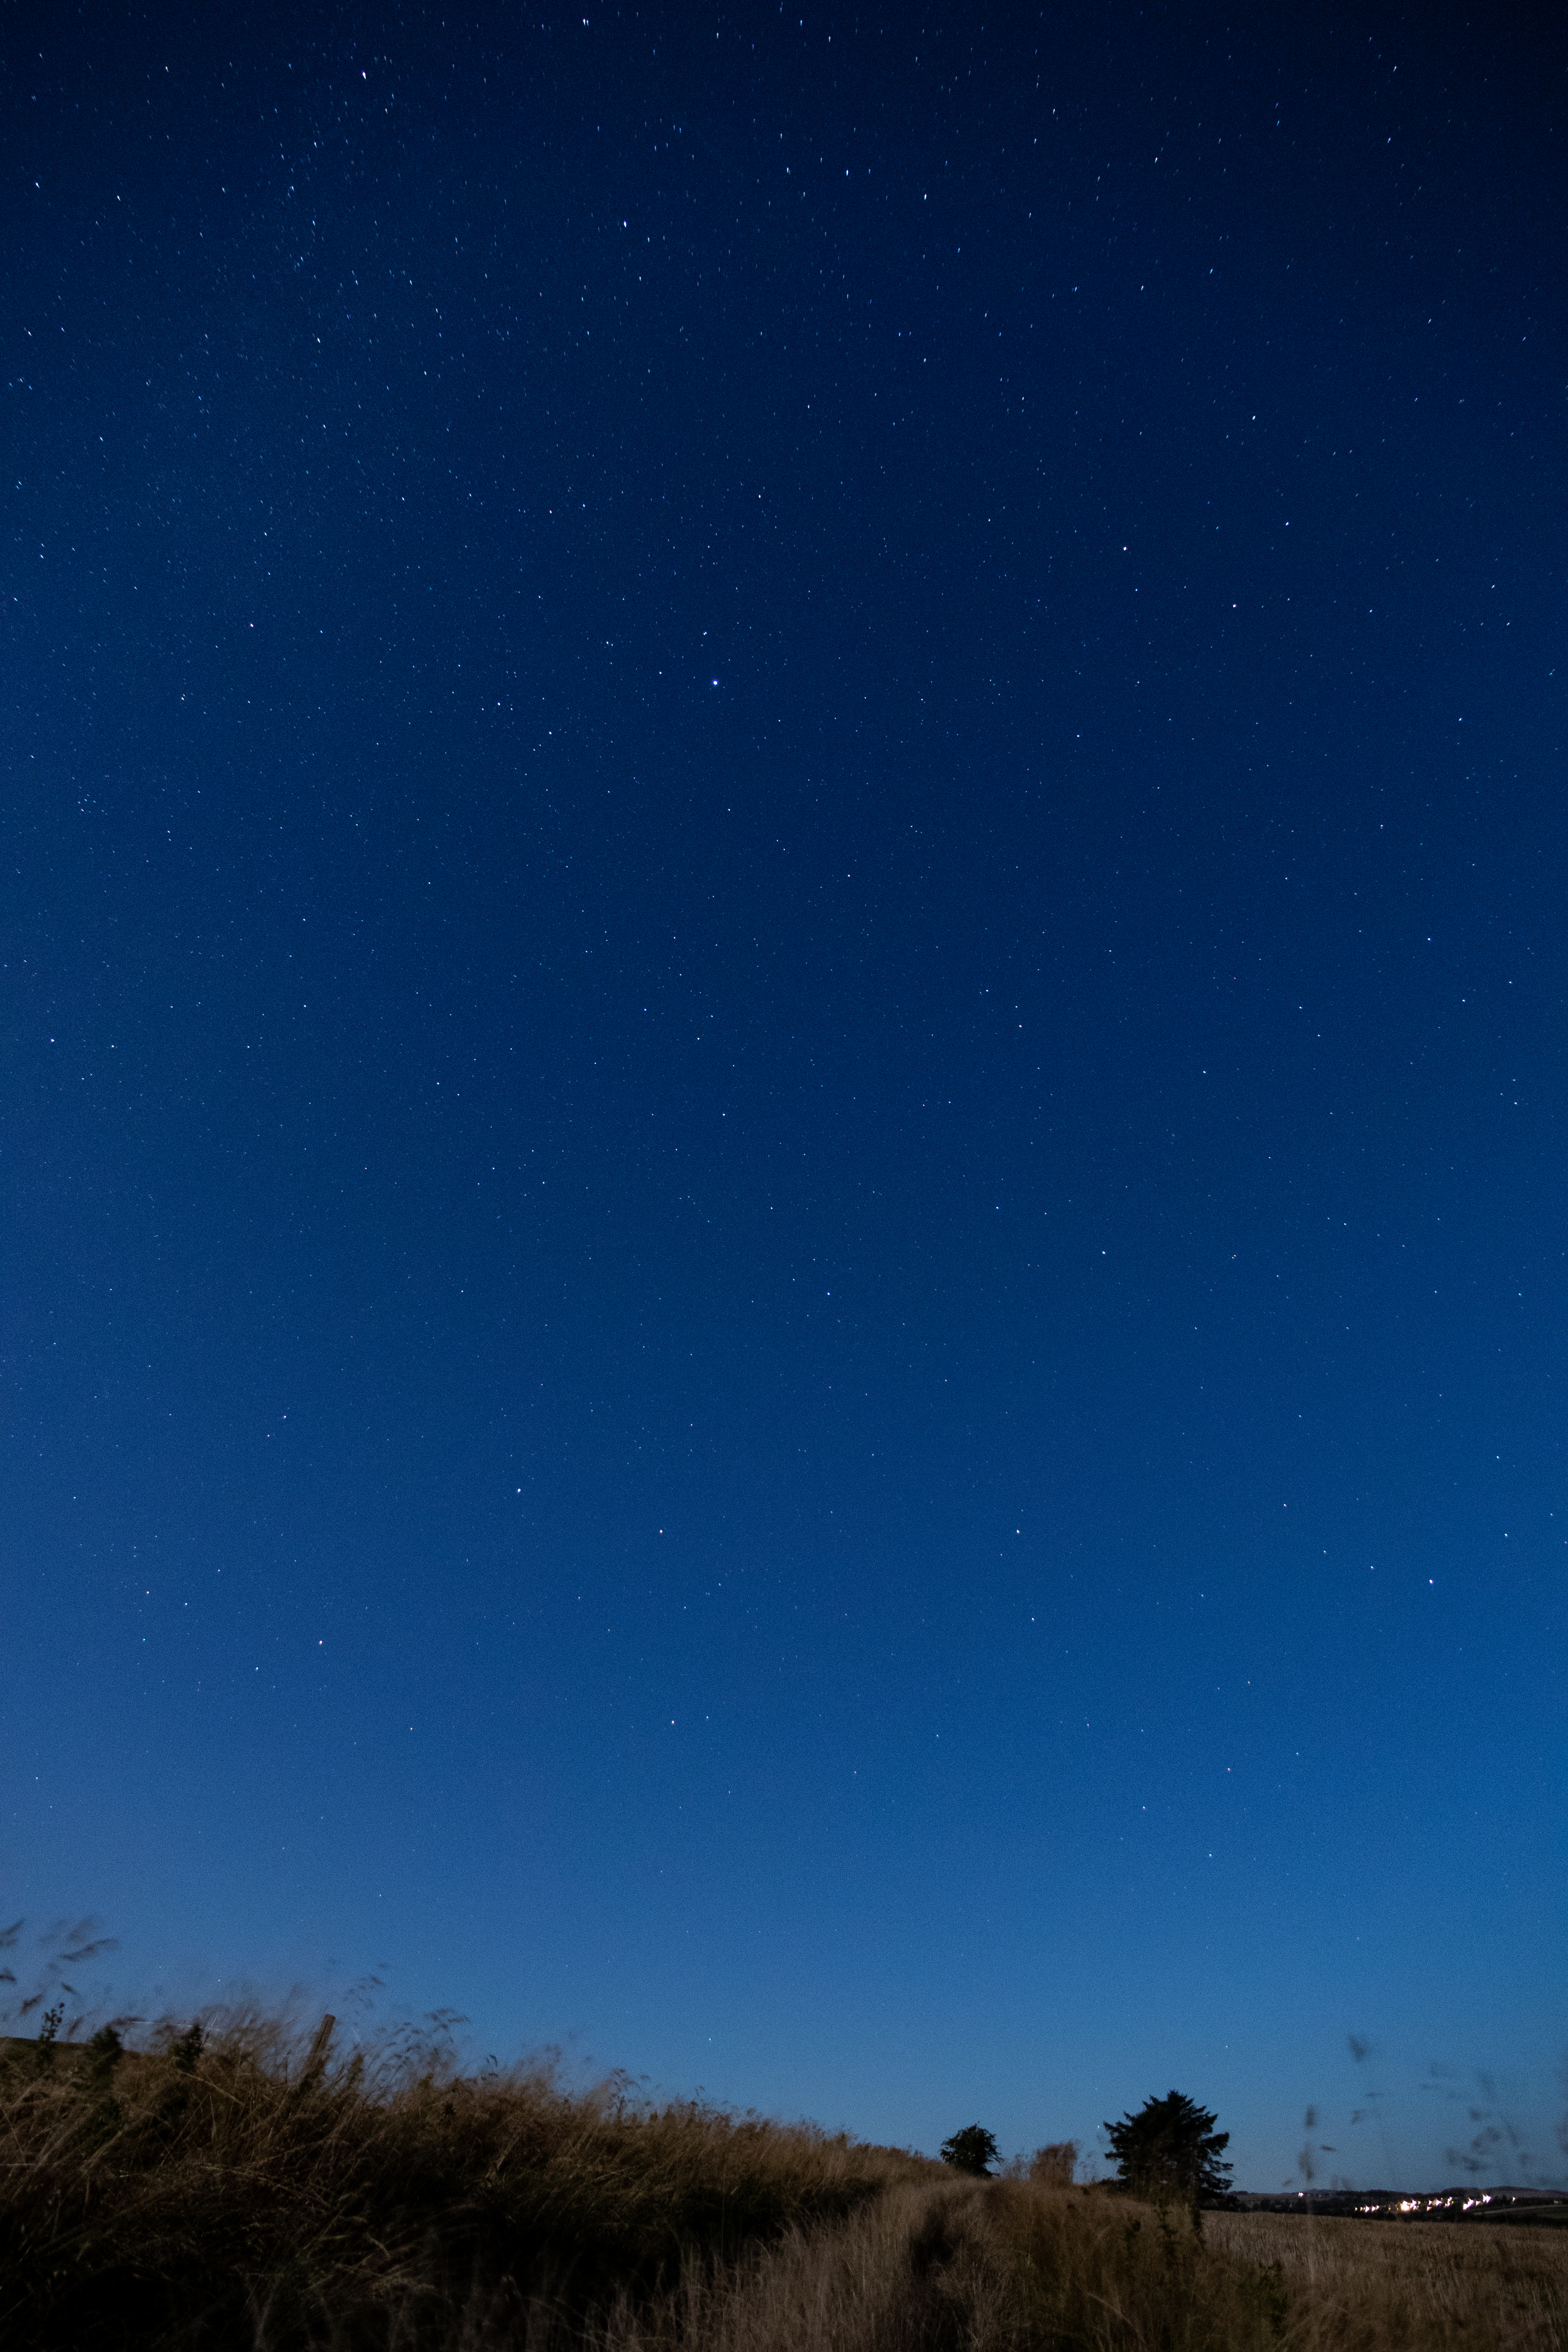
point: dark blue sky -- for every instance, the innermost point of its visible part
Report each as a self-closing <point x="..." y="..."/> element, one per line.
<point x="784" y="1271"/>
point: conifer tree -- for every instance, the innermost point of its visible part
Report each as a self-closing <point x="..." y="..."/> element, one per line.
<point x="1170" y="2150"/>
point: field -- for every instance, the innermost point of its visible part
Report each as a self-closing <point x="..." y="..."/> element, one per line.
<point x="1418" y="2283"/>
<point x="234" y="2190"/>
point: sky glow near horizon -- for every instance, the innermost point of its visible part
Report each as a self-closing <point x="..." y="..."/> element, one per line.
<point x="784" y="1274"/>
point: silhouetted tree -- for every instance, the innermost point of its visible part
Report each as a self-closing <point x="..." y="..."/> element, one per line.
<point x="1170" y="2150"/>
<point x="974" y="2150"/>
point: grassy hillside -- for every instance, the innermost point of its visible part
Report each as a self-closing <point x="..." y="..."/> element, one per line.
<point x="227" y="2190"/>
<point x="236" y="2190"/>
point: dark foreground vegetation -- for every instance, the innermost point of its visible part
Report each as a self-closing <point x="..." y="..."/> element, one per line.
<point x="234" y="2188"/>
<point x="239" y="2189"/>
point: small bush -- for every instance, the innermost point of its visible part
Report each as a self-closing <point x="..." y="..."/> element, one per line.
<point x="1053" y="2166"/>
<point x="971" y="2150"/>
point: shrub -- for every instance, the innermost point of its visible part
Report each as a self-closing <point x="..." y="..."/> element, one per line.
<point x="1053" y="2166"/>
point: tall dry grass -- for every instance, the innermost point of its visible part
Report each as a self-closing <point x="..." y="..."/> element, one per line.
<point x="226" y="2190"/>
<point x="919" y="2271"/>
<point x="1422" y="2284"/>
<point x="1091" y="2272"/>
<point x="236" y="2190"/>
<point x="1101" y="2273"/>
<point x="965" y="2267"/>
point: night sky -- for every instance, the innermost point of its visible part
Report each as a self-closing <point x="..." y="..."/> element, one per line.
<point x="782" y="1250"/>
